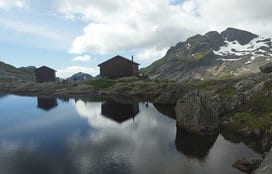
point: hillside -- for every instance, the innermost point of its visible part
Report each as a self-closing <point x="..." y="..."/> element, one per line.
<point x="11" y="73"/>
<point x="232" y="52"/>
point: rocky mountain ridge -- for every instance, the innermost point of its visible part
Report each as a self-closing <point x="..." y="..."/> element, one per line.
<point x="11" y="73"/>
<point x="232" y="52"/>
<point x="80" y="76"/>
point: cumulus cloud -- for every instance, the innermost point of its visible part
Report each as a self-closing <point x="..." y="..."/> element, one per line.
<point x="125" y="25"/>
<point x="83" y="58"/>
<point x="7" y="4"/>
<point x="151" y="53"/>
<point x="69" y="71"/>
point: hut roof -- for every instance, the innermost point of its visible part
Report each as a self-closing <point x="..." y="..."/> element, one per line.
<point x="118" y="57"/>
<point x="42" y="67"/>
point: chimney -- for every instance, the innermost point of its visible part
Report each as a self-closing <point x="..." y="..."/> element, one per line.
<point x="132" y="59"/>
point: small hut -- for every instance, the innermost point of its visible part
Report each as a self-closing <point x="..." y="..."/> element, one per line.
<point x="45" y="74"/>
<point x="118" y="66"/>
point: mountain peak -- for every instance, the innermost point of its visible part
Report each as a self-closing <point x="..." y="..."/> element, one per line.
<point x="242" y="36"/>
<point x="232" y="52"/>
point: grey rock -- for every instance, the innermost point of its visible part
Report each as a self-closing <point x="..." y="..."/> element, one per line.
<point x="243" y="37"/>
<point x="247" y="165"/>
<point x="196" y="114"/>
<point x="266" y="165"/>
<point x="171" y="96"/>
<point x="215" y="40"/>
<point x="267" y="68"/>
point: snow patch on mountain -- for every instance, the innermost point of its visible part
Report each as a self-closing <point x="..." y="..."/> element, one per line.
<point x="256" y="47"/>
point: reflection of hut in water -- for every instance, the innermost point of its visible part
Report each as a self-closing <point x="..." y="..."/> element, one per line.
<point x="47" y="103"/>
<point x="193" y="145"/>
<point x="64" y="99"/>
<point x="118" y="110"/>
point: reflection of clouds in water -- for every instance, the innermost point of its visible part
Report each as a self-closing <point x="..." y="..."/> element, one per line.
<point x="7" y="147"/>
<point x="145" y="145"/>
<point x="92" y="111"/>
<point x="138" y="142"/>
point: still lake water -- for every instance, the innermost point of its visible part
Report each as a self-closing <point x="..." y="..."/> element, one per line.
<point x="68" y="136"/>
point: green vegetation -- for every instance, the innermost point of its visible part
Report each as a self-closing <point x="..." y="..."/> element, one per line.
<point x="249" y="120"/>
<point x="101" y="83"/>
<point x="200" y="55"/>
<point x="160" y="61"/>
<point x="227" y="92"/>
<point x="262" y="103"/>
<point x="260" y="112"/>
<point x="224" y="87"/>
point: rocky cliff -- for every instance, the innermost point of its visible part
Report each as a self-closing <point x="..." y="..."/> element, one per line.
<point x="232" y="52"/>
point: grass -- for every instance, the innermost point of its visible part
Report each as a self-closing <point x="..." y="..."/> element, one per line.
<point x="261" y="103"/>
<point x="160" y="61"/>
<point x="259" y="115"/>
<point x="252" y="121"/>
<point x="200" y="55"/>
<point x="227" y="92"/>
<point x="101" y="83"/>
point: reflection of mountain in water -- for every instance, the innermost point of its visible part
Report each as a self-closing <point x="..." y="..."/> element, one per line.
<point x="118" y="110"/>
<point x="193" y="145"/>
<point x="47" y="103"/>
<point x="168" y="110"/>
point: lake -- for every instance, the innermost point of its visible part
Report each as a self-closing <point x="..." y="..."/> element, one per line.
<point x="43" y="135"/>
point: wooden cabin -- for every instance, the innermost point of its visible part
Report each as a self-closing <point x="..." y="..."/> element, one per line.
<point x="45" y="74"/>
<point x="118" y="66"/>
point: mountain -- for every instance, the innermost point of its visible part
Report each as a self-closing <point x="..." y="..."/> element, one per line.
<point x="232" y="52"/>
<point x="80" y="76"/>
<point x="11" y="73"/>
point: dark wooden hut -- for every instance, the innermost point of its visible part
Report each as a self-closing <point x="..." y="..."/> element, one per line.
<point x="118" y="66"/>
<point x="45" y="74"/>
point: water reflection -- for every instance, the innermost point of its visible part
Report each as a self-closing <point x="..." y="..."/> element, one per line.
<point x="119" y="111"/>
<point x="47" y="103"/>
<point x="167" y="110"/>
<point x="194" y="145"/>
<point x="75" y="138"/>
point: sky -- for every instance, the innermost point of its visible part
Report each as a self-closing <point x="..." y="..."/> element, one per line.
<point x="76" y="35"/>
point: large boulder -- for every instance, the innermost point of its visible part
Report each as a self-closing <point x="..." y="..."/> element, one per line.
<point x="247" y="165"/>
<point x="173" y="94"/>
<point x="195" y="113"/>
<point x="267" y="68"/>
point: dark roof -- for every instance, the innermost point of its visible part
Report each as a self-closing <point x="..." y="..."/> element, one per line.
<point x="118" y="57"/>
<point x="42" y="67"/>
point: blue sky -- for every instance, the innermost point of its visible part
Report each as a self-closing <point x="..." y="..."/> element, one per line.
<point x="77" y="35"/>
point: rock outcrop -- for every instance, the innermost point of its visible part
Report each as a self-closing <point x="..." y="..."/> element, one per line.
<point x="267" y="68"/>
<point x="195" y="114"/>
<point x="266" y="165"/>
<point x="247" y="165"/>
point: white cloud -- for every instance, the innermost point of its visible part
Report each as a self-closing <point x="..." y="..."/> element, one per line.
<point x="83" y="58"/>
<point x="125" y="25"/>
<point x="7" y="4"/>
<point x="151" y="53"/>
<point x="29" y="28"/>
<point x="69" y="71"/>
